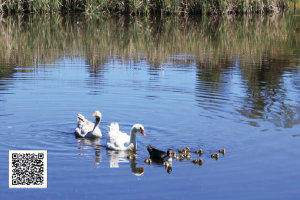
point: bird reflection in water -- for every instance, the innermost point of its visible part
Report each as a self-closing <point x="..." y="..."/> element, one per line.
<point x="86" y="143"/>
<point x="116" y="157"/>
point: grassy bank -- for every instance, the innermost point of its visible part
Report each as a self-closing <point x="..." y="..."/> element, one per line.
<point x="146" y="7"/>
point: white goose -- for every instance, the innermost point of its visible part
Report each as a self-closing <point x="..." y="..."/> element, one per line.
<point x="87" y="128"/>
<point x="118" y="140"/>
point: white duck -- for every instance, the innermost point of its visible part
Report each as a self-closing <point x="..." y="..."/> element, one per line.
<point x="118" y="140"/>
<point x="87" y="128"/>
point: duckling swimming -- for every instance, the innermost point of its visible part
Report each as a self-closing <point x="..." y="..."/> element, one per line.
<point x="200" y="162"/>
<point x="174" y="154"/>
<point x="187" y="148"/>
<point x="215" y="155"/>
<point x="222" y="151"/>
<point x="177" y="157"/>
<point x="198" y="151"/>
<point x="196" y="161"/>
<point x="166" y="164"/>
<point x="182" y="150"/>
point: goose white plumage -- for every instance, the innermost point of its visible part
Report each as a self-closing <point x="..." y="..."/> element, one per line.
<point x="87" y="128"/>
<point x="118" y="140"/>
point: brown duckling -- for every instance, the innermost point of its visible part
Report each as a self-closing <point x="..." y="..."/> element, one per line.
<point x="215" y="155"/>
<point x="200" y="162"/>
<point x="181" y="156"/>
<point x="174" y="154"/>
<point x="182" y="150"/>
<point x="196" y="160"/>
<point x="177" y="157"/>
<point x="198" y="151"/>
<point x="187" y="148"/>
<point x="222" y="151"/>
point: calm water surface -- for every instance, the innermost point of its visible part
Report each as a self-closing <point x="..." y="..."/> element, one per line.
<point x="205" y="83"/>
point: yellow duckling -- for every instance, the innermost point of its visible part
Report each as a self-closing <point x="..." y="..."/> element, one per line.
<point x="187" y="148"/>
<point x="181" y="156"/>
<point x="188" y="157"/>
<point x="222" y="151"/>
<point x="166" y="164"/>
<point x="188" y="154"/>
<point x="215" y="155"/>
<point x="177" y="157"/>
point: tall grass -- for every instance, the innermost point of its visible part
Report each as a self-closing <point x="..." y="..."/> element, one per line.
<point x="145" y="7"/>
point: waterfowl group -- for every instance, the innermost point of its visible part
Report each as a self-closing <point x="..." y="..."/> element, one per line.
<point x="120" y="141"/>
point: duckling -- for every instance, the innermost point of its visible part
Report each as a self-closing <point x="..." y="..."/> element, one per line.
<point x="131" y="156"/>
<point x="182" y="150"/>
<point x="198" y="151"/>
<point x="215" y="155"/>
<point x="166" y="164"/>
<point x="200" y="162"/>
<point x="177" y="157"/>
<point x="188" y="157"/>
<point x="222" y="151"/>
<point x="181" y="156"/>
<point x="187" y="148"/>
<point x="196" y="160"/>
<point x="188" y="154"/>
<point x="174" y="154"/>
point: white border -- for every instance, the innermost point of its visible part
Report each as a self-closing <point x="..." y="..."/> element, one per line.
<point x="10" y="152"/>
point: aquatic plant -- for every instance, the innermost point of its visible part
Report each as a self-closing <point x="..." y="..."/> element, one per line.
<point x="145" y="7"/>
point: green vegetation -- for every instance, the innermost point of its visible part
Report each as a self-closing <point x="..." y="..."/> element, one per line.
<point x="146" y="7"/>
<point x="214" y="42"/>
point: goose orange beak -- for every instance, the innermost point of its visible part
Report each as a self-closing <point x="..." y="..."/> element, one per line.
<point x="95" y="114"/>
<point x="143" y="132"/>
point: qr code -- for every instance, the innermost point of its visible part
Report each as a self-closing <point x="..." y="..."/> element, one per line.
<point x="27" y="168"/>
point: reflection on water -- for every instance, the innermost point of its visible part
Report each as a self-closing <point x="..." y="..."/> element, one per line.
<point x="116" y="157"/>
<point x="205" y="83"/>
<point x="236" y="64"/>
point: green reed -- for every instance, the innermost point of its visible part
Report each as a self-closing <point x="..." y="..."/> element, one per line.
<point x="145" y="7"/>
<point x="215" y="42"/>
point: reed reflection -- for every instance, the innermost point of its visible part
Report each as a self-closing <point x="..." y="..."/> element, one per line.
<point x="267" y="94"/>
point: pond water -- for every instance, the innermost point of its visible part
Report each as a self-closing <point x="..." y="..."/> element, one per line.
<point x="201" y="82"/>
